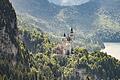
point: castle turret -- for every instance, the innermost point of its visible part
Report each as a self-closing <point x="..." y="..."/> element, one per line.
<point x="71" y="30"/>
<point x="72" y="34"/>
<point x="64" y="35"/>
<point x="72" y="38"/>
<point x="64" y="39"/>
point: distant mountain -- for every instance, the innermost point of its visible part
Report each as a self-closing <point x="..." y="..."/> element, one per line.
<point x="30" y="24"/>
<point x="38" y="8"/>
<point x="45" y="10"/>
<point x="91" y="17"/>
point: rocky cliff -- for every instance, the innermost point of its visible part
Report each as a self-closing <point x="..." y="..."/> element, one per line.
<point x="8" y="29"/>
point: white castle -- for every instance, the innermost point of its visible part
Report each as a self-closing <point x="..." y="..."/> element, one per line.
<point x="66" y="45"/>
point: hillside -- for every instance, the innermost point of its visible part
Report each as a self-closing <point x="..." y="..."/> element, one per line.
<point x="86" y="40"/>
<point x="27" y="53"/>
<point x="13" y="53"/>
<point x="79" y="65"/>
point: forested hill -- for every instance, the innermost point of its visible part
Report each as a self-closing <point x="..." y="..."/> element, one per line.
<point x="19" y="61"/>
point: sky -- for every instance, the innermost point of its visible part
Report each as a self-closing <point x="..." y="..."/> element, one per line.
<point x="69" y="2"/>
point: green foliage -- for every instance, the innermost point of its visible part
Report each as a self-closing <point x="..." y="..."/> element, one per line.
<point x="79" y="65"/>
<point x="35" y="40"/>
<point x="96" y="64"/>
<point x="80" y="50"/>
<point x="43" y="64"/>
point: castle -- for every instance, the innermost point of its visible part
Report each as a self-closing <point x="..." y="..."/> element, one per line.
<point x="66" y="44"/>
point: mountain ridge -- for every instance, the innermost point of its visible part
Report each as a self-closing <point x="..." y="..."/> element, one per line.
<point x="94" y="17"/>
<point x="84" y="18"/>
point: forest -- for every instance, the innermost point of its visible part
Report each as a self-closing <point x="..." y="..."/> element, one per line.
<point x="44" y="64"/>
<point x="28" y="53"/>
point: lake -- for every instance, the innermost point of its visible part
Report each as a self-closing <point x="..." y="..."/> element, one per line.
<point x="112" y="49"/>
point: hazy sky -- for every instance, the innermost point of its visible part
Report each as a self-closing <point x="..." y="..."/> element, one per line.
<point x="69" y="2"/>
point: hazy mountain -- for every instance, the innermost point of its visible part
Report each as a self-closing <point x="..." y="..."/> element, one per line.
<point x="38" y="8"/>
<point x="90" y="17"/>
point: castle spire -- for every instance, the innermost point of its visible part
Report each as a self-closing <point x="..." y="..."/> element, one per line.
<point x="71" y="30"/>
<point x="71" y="33"/>
<point x="64" y="35"/>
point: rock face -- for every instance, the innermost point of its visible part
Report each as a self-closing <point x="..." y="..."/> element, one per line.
<point x="8" y="29"/>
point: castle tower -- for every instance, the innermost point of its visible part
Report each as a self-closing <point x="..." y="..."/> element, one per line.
<point x="64" y="35"/>
<point x="72" y="38"/>
<point x="64" y="39"/>
<point x="67" y="43"/>
<point x="72" y="34"/>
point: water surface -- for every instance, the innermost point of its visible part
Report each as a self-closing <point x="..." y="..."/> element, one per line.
<point x="112" y="49"/>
